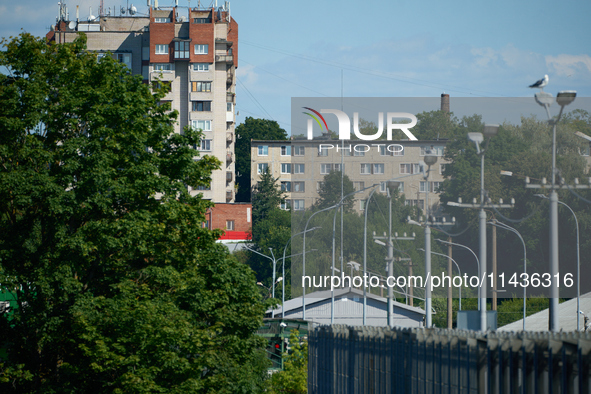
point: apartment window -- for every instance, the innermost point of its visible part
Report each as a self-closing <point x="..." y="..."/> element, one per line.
<point x="204" y="145"/>
<point x="200" y="66"/>
<point x="362" y="204"/>
<point x="285" y="186"/>
<point x="408" y="168"/>
<point x="435" y="150"/>
<point x="286" y="168"/>
<point x="160" y="84"/>
<point x="423" y="187"/>
<point x="161" y="49"/>
<point x="398" y="150"/>
<point x="230" y="225"/>
<point x="299" y="151"/>
<point x="441" y="169"/>
<point x="319" y="186"/>
<point x="383" y="150"/>
<point x="285" y="205"/>
<point x="201" y="20"/>
<point x="162" y="67"/>
<point x="358" y="153"/>
<point x="263" y="150"/>
<point x="181" y="49"/>
<point x="124" y="58"/>
<point x="299" y="168"/>
<point x="325" y="168"/>
<point x="201" y="86"/>
<point x="285" y="150"/>
<point x="262" y="168"/>
<point x="298" y="205"/>
<point x="323" y="151"/>
<point x="201" y="106"/>
<point x="378" y="168"/>
<point x="435" y="186"/>
<point x="203" y="125"/>
<point x="365" y="168"/>
<point x="201" y="49"/>
<point x="206" y="187"/>
<point x="162" y="20"/>
<point x="358" y="185"/>
<point x="299" y="187"/>
<point x="229" y="107"/>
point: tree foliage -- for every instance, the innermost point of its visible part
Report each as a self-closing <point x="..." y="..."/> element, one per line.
<point x="330" y="192"/>
<point x="252" y="129"/>
<point x="119" y="288"/>
<point x="294" y="377"/>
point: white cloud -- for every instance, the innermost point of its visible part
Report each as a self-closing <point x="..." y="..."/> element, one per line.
<point x="569" y="65"/>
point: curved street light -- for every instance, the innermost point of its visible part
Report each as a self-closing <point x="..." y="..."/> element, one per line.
<point x="506" y="227"/>
<point x="457" y="266"/>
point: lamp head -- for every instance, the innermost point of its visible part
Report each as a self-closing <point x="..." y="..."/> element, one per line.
<point x="393" y="185"/>
<point x="430" y="158"/>
<point x="566" y="97"/>
<point x="476" y="137"/>
<point x="490" y="130"/>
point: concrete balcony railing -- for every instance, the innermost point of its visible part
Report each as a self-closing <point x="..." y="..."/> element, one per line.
<point x="229" y="176"/>
<point x="229" y="195"/>
<point x="229" y="137"/>
<point x="224" y="58"/>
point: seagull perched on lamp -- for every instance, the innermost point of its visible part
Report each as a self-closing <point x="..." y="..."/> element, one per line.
<point x="541" y="83"/>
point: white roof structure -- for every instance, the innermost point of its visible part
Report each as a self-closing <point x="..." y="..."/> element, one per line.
<point x="348" y="309"/>
<point x="567" y="317"/>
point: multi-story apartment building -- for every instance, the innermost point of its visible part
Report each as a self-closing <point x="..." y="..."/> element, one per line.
<point x="301" y="165"/>
<point x="194" y="50"/>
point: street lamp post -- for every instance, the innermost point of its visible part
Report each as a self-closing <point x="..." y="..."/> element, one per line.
<point x="471" y="251"/>
<point x="578" y="262"/>
<point x="459" y="272"/>
<point x="544" y="99"/>
<point x="489" y="131"/>
<point x="506" y="227"/>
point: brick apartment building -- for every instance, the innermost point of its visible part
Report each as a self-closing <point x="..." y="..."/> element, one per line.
<point x="192" y="49"/>
<point x="235" y="219"/>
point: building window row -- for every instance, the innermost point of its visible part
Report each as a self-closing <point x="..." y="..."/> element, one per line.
<point x="296" y="187"/>
<point x="203" y="125"/>
<point x="372" y="168"/>
<point x="296" y="204"/>
<point x="204" y="145"/>
<point x="327" y="168"/>
<point x="436" y="150"/>
<point x="162" y="20"/>
<point x="201" y="106"/>
<point x="201" y="86"/>
<point x="409" y="168"/>
<point x="433" y="186"/>
<point x="182" y="49"/>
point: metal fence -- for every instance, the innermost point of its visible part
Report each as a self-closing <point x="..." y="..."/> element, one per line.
<point x="412" y="360"/>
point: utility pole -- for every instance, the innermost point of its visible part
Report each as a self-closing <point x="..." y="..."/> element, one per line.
<point x="494" y="266"/>
<point x="449" y="289"/>
<point x="390" y="265"/>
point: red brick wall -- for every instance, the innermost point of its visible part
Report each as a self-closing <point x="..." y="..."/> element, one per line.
<point x="202" y="33"/>
<point x="161" y="33"/>
<point x="240" y="213"/>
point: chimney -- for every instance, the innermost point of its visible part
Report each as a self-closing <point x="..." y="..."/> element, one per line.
<point x="445" y="102"/>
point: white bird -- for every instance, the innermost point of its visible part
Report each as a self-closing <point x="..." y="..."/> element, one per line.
<point x="541" y="83"/>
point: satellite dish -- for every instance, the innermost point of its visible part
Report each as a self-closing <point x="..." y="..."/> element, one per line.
<point x="132" y="10"/>
<point x="91" y="18"/>
<point x="123" y="10"/>
<point x="72" y="25"/>
<point x="183" y="18"/>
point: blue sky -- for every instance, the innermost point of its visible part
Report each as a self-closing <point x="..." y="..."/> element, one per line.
<point x="381" y="49"/>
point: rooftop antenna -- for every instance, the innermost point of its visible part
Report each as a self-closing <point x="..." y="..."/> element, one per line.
<point x="102" y="8"/>
<point x="77" y="13"/>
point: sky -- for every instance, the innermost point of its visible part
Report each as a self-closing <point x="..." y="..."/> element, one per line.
<point x="466" y="48"/>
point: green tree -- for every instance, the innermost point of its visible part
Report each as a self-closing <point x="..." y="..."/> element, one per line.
<point x="119" y="288"/>
<point x="330" y="192"/>
<point x="294" y="377"/>
<point x="252" y="129"/>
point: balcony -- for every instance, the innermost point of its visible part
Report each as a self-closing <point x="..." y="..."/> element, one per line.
<point x="229" y="176"/>
<point x="224" y="58"/>
<point x="229" y="158"/>
<point x="229" y="137"/>
<point x="229" y="78"/>
<point x="163" y="75"/>
<point x="229" y="195"/>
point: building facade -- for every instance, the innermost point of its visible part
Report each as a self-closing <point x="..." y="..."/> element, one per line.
<point x="194" y="51"/>
<point x="301" y="165"/>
